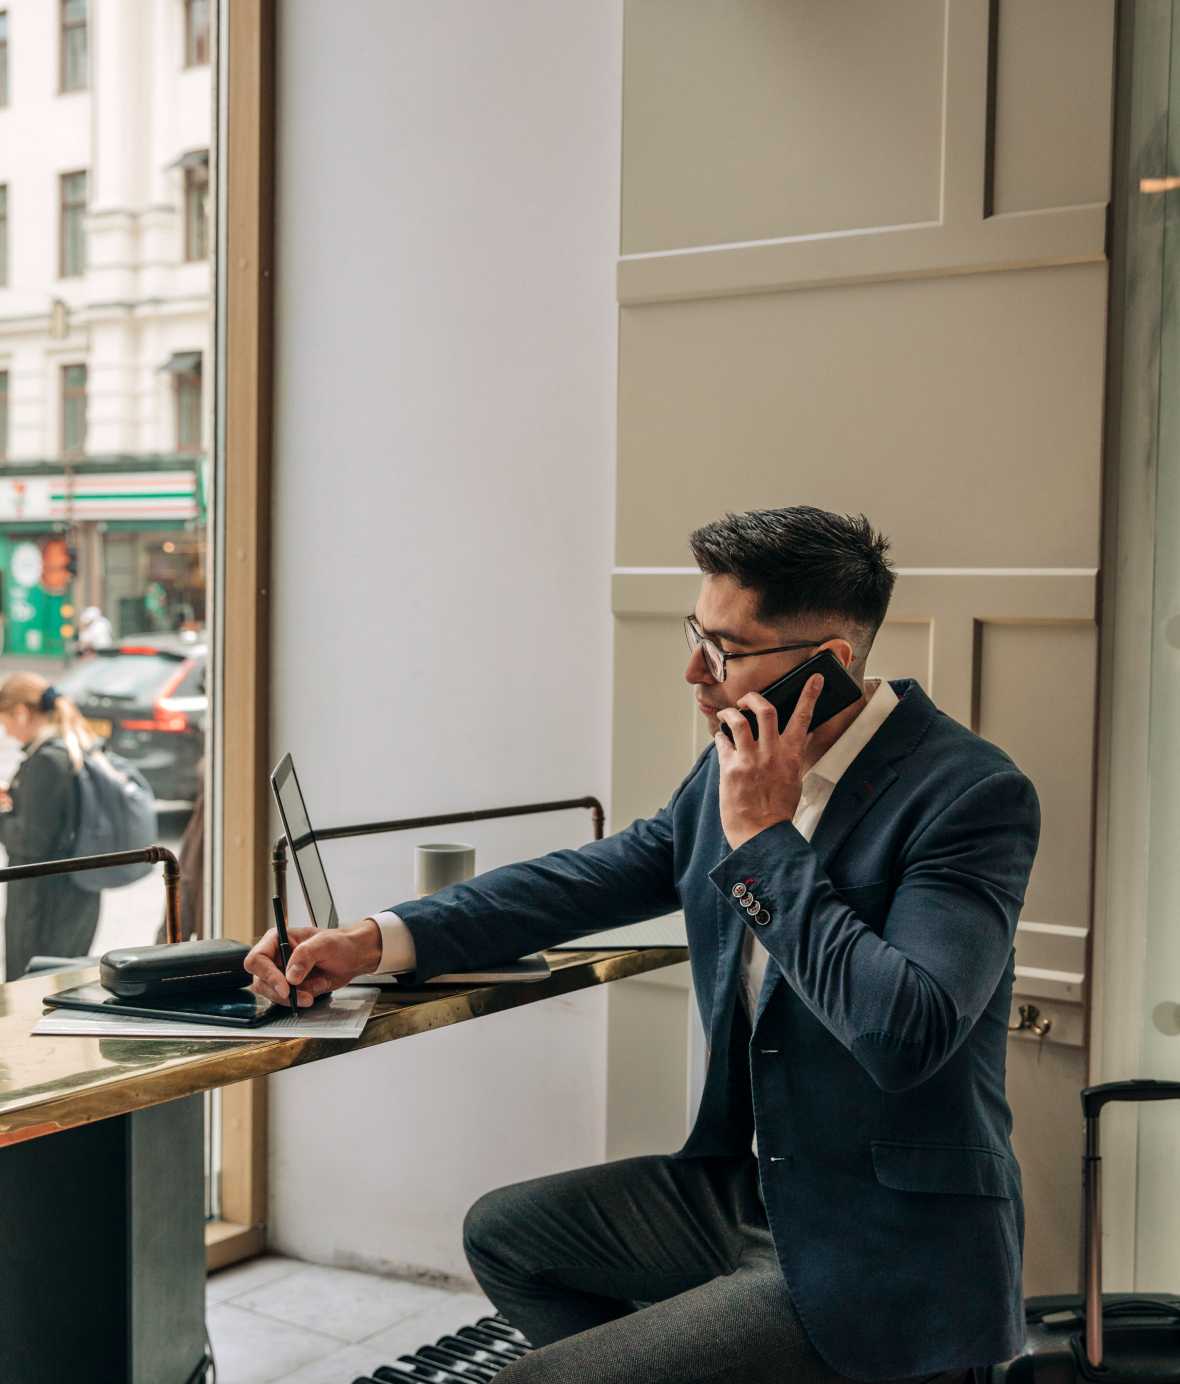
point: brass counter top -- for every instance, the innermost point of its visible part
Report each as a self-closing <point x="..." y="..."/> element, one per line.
<point x="53" y="1083"/>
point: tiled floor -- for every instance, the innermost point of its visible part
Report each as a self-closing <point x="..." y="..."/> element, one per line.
<point x="280" y="1319"/>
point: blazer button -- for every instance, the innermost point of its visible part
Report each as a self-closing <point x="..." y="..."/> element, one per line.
<point x="751" y="904"/>
<point x="738" y="890"/>
<point x="762" y="916"/>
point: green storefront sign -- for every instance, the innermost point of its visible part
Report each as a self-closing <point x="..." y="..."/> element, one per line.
<point x="32" y="615"/>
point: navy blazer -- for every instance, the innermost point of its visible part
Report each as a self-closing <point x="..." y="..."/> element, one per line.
<point x="874" y="1073"/>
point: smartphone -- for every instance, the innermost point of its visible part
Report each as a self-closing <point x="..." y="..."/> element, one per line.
<point x="838" y="692"/>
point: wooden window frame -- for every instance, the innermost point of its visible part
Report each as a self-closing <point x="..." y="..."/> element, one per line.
<point x="64" y="26"/>
<point x="243" y="48"/>
<point x="69" y="392"/>
<point x="192" y="38"/>
<point x="64" y="208"/>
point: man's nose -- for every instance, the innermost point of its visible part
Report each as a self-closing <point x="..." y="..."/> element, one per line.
<point x="697" y="670"/>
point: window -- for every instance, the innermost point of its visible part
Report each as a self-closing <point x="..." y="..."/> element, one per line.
<point x="73" y="410"/>
<point x="3" y="234"/>
<point x="73" y="45"/>
<point x="3" y="57"/>
<point x="188" y="408"/>
<point x="196" y="33"/>
<point x="3" y="415"/>
<point x="72" y="235"/>
<point x="196" y="210"/>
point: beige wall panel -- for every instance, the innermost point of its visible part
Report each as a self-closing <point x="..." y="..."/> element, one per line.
<point x="1036" y="700"/>
<point x="1043" y="1082"/>
<point x="1053" y="103"/>
<point x="944" y="409"/>
<point x="653" y="741"/>
<point x="723" y="100"/>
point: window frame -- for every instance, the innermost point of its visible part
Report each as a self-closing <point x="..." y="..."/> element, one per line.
<point x="4" y="412"/>
<point x="64" y="209"/>
<point x="65" y="26"/>
<point x="67" y="393"/>
<point x="243" y="49"/>
<point x="3" y="235"/>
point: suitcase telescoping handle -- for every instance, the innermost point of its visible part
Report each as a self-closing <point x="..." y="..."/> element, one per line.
<point x="1093" y="1099"/>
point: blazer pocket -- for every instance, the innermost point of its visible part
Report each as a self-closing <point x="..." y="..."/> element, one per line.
<point x="960" y="1169"/>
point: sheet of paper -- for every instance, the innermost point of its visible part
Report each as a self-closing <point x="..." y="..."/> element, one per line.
<point x="343" y="1015"/>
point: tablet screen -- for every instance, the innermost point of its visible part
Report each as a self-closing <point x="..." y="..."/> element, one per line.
<point x="301" y="841"/>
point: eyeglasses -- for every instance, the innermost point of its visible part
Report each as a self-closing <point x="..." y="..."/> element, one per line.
<point x="716" y="659"/>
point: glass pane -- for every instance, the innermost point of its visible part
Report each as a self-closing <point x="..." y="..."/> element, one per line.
<point x="125" y="677"/>
<point x="1158" y="1239"/>
<point x="74" y="59"/>
<point x="102" y="521"/>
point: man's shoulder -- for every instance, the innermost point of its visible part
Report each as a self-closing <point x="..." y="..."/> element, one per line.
<point x="969" y="756"/>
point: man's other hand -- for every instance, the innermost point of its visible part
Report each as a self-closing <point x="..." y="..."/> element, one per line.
<point x="321" y="960"/>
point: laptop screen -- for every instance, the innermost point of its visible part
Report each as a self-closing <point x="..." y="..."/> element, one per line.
<point x="301" y="842"/>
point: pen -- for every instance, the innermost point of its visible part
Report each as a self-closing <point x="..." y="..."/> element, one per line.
<point x="284" y="947"/>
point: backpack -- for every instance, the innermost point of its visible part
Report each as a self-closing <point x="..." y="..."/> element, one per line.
<point x="116" y="812"/>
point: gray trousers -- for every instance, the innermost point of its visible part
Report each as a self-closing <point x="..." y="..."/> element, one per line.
<point x="649" y="1270"/>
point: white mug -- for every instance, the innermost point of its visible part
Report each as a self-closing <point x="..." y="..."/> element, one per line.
<point x="440" y="863"/>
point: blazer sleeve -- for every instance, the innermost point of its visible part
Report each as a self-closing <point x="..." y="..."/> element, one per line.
<point x="903" y="1001"/>
<point x="556" y="898"/>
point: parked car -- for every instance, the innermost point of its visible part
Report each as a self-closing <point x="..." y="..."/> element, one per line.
<point x="145" y="698"/>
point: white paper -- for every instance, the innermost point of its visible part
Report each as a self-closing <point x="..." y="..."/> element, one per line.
<point x="343" y="1015"/>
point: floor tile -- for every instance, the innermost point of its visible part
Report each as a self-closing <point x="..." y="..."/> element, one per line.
<point x="250" y="1349"/>
<point x="426" y="1326"/>
<point x="341" y="1302"/>
<point x="243" y="1278"/>
<point x="341" y="1367"/>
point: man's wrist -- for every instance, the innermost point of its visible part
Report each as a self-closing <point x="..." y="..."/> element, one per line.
<point x="369" y="943"/>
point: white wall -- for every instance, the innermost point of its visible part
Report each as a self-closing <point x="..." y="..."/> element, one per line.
<point x="445" y="399"/>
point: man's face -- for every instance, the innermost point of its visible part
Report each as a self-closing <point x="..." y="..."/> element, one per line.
<point x="725" y="612"/>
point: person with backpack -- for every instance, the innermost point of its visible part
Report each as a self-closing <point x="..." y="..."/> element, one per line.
<point x="39" y="821"/>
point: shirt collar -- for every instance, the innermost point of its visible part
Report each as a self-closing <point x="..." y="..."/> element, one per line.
<point x="840" y="753"/>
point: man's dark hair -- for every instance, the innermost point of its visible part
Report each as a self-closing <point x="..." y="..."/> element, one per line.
<point x="805" y="564"/>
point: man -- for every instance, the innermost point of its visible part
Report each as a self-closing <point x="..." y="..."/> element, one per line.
<point x="851" y="897"/>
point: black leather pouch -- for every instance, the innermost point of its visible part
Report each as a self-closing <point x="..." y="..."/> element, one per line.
<point x="175" y="968"/>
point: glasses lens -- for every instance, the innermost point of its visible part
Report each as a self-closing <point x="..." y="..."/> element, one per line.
<point x="713" y="660"/>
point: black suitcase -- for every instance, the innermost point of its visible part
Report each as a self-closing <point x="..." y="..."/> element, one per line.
<point x="1131" y="1337"/>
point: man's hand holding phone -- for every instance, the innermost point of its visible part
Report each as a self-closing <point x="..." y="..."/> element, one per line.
<point x="762" y="779"/>
<point x="322" y="960"/>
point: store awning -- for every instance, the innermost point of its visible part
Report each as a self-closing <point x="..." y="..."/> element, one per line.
<point x="182" y="363"/>
<point x="195" y="158"/>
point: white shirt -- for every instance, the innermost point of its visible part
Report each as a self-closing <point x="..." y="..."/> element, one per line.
<point x="397" y="945"/>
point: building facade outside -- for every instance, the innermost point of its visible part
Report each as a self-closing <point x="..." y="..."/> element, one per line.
<point x="105" y="316"/>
